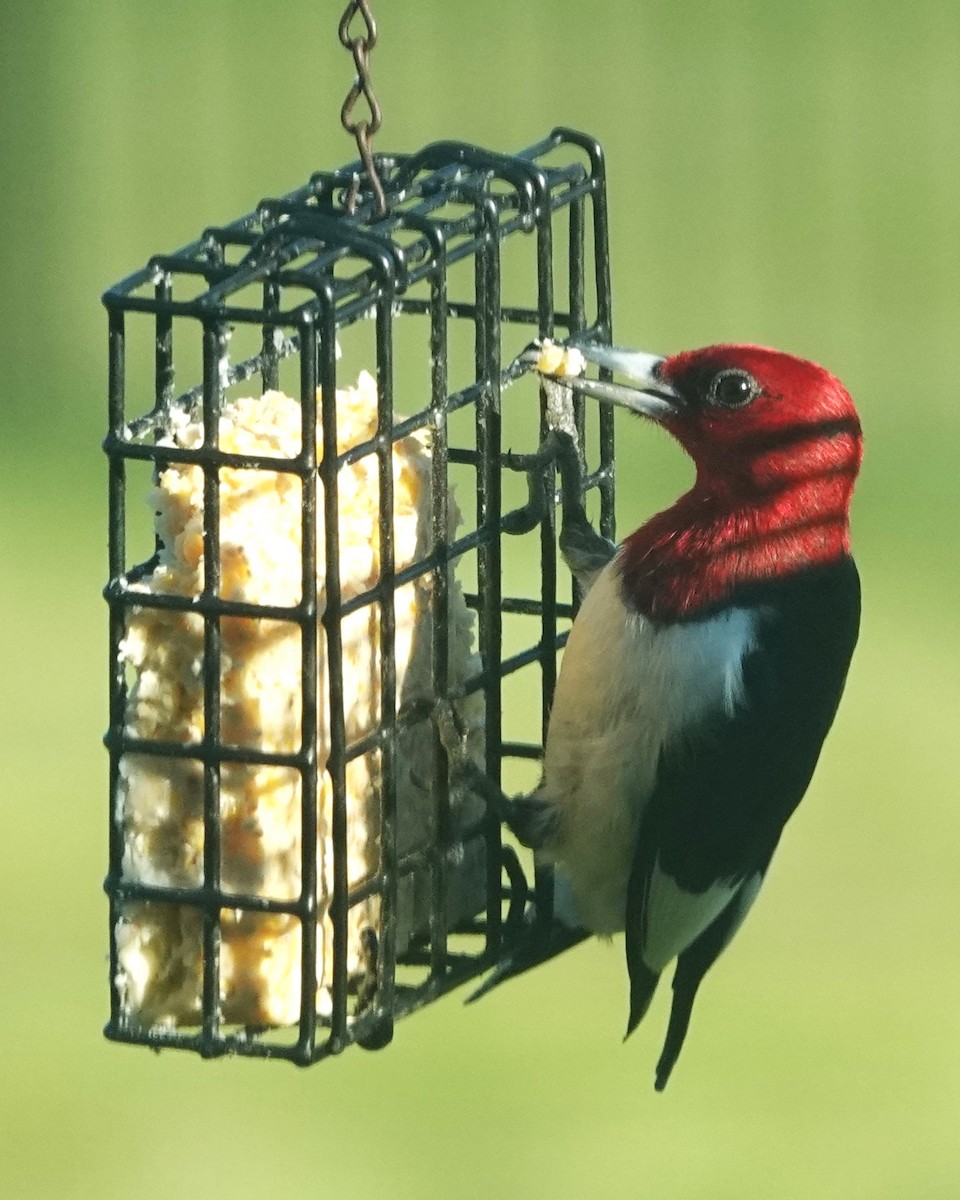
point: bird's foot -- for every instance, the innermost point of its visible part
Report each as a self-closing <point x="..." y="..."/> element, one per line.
<point x="584" y="550"/>
<point x="540" y="491"/>
<point x="464" y="770"/>
<point x="532" y="819"/>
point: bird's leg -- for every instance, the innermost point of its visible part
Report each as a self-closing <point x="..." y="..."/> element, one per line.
<point x="531" y="818"/>
<point x="539" y="502"/>
<point x="585" y="552"/>
<point x="533" y="821"/>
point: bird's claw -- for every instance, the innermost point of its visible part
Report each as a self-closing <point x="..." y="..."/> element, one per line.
<point x="555" y="448"/>
<point x="525" y="816"/>
<point x="453" y="734"/>
<point x="585" y="551"/>
<point x="464" y="771"/>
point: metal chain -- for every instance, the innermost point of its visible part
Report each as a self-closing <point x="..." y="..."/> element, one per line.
<point x="362" y="129"/>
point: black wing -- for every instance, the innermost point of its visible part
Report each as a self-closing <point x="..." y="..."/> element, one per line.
<point x="723" y="795"/>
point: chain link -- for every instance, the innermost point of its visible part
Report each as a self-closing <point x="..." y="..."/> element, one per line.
<point x="362" y="129"/>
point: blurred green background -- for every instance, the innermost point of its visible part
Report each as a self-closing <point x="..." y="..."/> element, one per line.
<point x="781" y="171"/>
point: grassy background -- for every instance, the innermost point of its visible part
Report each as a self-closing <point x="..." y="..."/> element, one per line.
<point x="786" y="173"/>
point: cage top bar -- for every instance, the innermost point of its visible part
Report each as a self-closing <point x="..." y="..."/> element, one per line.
<point x="290" y="239"/>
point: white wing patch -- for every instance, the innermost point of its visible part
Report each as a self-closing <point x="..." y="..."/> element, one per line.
<point x="673" y="918"/>
<point x="698" y="666"/>
<point x="627" y="687"/>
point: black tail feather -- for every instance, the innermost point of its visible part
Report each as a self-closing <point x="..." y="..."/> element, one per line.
<point x="694" y="963"/>
<point x="685" y="985"/>
<point x="643" y="983"/>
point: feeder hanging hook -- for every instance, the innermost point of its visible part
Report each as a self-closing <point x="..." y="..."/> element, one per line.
<point x="362" y="129"/>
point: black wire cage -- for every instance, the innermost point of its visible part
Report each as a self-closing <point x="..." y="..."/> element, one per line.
<point x="479" y="254"/>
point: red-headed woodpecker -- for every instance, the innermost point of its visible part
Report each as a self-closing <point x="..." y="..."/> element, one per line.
<point x="705" y="666"/>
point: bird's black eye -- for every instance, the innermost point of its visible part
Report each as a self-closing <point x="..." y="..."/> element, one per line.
<point x="733" y="388"/>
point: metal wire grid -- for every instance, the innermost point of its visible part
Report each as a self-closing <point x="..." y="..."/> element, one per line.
<point x="302" y="240"/>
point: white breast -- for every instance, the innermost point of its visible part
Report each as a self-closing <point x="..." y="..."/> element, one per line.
<point x="627" y="687"/>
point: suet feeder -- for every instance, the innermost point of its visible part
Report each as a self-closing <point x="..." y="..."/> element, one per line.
<point x="290" y="868"/>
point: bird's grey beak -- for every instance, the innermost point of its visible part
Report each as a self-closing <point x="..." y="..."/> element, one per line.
<point x="646" y="393"/>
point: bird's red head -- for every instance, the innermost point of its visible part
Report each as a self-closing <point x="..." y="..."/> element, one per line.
<point x="756" y="421"/>
<point x="777" y="446"/>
